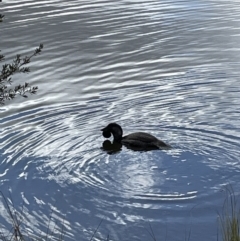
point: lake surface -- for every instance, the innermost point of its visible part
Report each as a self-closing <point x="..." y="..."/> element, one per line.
<point x="170" y="68"/>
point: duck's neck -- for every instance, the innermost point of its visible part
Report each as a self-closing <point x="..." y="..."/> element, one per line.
<point x="116" y="137"/>
<point x="117" y="134"/>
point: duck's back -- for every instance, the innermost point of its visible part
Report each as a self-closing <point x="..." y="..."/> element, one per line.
<point x="143" y="140"/>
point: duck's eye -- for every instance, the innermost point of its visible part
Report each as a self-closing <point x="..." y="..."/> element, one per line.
<point x="106" y="134"/>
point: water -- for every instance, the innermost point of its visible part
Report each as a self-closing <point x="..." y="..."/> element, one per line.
<point x="170" y="68"/>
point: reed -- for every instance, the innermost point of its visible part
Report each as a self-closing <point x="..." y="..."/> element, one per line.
<point x="229" y="224"/>
<point x="19" y="230"/>
<point x="230" y="217"/>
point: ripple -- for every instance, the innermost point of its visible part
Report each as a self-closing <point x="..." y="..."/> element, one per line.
<point x="60" y="146"/>
<point x="170" y="69"/>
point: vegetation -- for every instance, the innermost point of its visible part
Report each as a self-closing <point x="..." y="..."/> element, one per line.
<point x="230" y="218"/>
<point x="1" y="17"/>
<point x="18" y="65"/>
<point x="229" y="223"/>
<point x="19" y="231"/>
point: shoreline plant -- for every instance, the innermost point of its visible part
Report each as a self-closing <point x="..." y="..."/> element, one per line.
<point x="18" y="65"/>
<point x="229" y="223"/>
<point x="230" y="217"/>
<point x="19" y="230"/>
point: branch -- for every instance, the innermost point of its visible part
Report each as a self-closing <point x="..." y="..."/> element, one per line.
<point x="17" y="66"/>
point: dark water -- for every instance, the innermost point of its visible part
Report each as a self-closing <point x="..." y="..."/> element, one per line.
<point x="169" y="68"/>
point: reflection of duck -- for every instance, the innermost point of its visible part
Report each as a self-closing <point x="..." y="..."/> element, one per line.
<point x="138" y="141"/>
<point x="111" y="147"/>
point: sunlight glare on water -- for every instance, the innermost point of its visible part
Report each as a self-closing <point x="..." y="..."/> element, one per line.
<point x="167" y="68"/>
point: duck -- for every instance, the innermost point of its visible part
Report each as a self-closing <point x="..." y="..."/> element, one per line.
<point x="139" y="141"/>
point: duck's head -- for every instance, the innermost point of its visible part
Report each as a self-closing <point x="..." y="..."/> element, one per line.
<point x="114" y="129"/>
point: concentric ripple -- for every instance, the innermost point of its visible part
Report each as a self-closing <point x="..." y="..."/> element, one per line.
<point x="168" y="68"/>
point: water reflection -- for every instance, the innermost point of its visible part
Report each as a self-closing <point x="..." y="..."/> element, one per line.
<point x="111" y="147"/>
<point x="136" y="141"/>
<point x="170" y="68"/>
